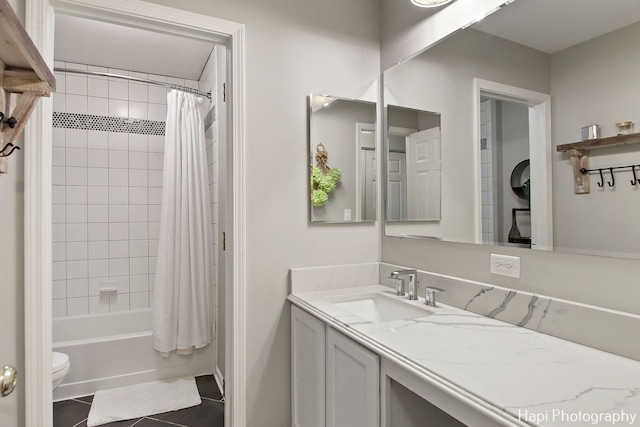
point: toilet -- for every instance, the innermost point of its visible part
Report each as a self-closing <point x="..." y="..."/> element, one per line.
<point x="59" y="368"/>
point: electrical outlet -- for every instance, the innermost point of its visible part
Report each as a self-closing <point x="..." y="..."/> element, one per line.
<point x="347" y="214"/>
<point x="505" y="265"/>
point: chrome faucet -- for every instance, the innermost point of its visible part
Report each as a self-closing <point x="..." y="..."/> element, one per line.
<point x="413" y="283"/>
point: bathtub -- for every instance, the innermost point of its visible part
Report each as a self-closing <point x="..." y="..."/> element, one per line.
<point x="115" y="350"/>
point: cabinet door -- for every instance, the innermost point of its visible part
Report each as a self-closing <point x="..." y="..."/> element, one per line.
<point x="307" y="369"/>
<point x="352" y="383"/>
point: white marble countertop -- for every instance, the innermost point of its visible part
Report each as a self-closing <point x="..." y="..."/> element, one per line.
<point x="535" y="378"/>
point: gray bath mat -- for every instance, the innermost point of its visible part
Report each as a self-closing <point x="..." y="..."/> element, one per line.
<point x="141" y="400"/>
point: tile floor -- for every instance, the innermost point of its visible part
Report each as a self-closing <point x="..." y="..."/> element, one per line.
<point x="74" y="412"/>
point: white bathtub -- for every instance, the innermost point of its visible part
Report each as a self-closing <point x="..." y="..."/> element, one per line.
<point x="114" y="350"/>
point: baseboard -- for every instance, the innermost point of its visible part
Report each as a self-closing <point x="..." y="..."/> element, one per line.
<point x="217" y="375"/>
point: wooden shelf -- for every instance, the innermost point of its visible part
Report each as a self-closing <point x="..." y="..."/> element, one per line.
<point x="591" y="144"/>
<point x="579" y="153"/>
<point x="24" y="72"/>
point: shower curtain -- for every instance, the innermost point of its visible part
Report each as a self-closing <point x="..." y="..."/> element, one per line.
<point x="183" y="294"/>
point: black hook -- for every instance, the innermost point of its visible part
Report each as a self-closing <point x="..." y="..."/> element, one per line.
<point x="613" y="180"/>
<point x="11" y="122"/>
<point x="2" y="152"/>
<point x="634" y="181"/>
<point x="601" y="183"/>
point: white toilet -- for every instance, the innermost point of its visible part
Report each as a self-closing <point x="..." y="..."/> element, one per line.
<point x="59" y="368"/>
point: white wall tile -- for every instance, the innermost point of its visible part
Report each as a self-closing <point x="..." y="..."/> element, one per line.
<point x="154" y="213"/>
<point x="137" y="160"/>
<point x="77" y="270"/>
<point x="97" y="158"/>
<point x="59" y="137"/>
<point x="98" y="305"/>
<point x="76" y="175"/>
<point x="123" y="282"/>
<point x="76" y="251"/>
<point x="77" y="306"/>
<point x="59" y="308"/>
<point x="118" y="213"/>
<point x="138" y="196"/>
<point x="138" y="300"/>
<point x="137" y="142"/>
<point x="76" y="195"/>
<point x="118" y="108"/>
<point x="155" y="161"/>
<point x="59" y="270"/>
<point x="76" y="104"/>
<point x="98" y="139"/>
<point x="59" y="156"/>
<point x="76" y="213"/>
<point x="98" y="176"/>
<point x="97" y="106"/>
<point x="153" y="247"/>
<point x="58" y="176"/>
<point x="118" y="231"/>
<point x="138" y="110"/>
<point x="59" y="252"/>
<point x="119" y="249"/>
<point x="98" y="231"/>
<point x="59" y="233"/>
<point x="118" y="89"/>
<point x="59" y="289"/>
<point x="119" y="303"/>
<point x="118" y="159"/>
<point x="157" y="95"/>
<point x="138" y="213"/>
<point x="138" y="231"/>
<point x="76" y="232"/>
<point x="152" y="264"/>
<point x="118" y="177"/>
<point x="119" y="267"/>
<point x="138" y="92"/>
<point x="77" y="288"/>
<point x="59" y="102"/>
<point x="139" y="265"/>
<point x="94" y="285"/>
<point x="76" y="157"/>
<point x="118" y="141"/>
<point x="98" y="195"/>
<point x="76" y="138"/>
<point x="98" y="268"/>
<point x="155" y="196"/>
<point x="139" y="248"/>
<point x="157" y="112"/>
<point x="119" y="195"/>
<point x="156" y="143"/>
<point x="155" y="178"/>
<point x="98" y="249"/>
<point x="98" y="87"/>
<point x="154" y="230"/>
<point x="58" y="214"/>
<point x="138" y="178"/>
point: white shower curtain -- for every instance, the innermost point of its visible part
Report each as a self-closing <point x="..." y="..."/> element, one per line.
<point x="183" y="294"/>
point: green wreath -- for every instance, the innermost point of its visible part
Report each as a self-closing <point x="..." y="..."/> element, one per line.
<point x="323" y="178"/>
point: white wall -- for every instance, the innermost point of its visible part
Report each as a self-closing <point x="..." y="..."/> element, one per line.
<point x="603" y="91"/>
<point x="445" y="74"/>
<point x="293" y="49"/>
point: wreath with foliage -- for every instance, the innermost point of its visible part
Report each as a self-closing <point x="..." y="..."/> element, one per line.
<point x="323" y="178"/>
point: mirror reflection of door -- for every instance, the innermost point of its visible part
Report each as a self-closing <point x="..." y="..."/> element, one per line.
<point x="504" y="143"/>
<point x="366" y="209"/>
<point x="397" y="204"/>
<point x="423" y="174"/>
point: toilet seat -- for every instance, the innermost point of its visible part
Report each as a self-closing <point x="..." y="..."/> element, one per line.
<point x="59" y="361"/>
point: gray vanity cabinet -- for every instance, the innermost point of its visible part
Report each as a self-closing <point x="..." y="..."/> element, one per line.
<point x="334" y="380"/>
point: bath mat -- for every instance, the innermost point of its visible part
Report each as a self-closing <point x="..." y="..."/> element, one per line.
<point x="141" y="400"/>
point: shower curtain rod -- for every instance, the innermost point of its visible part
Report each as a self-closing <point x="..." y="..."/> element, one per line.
<point x="136" y="79"/>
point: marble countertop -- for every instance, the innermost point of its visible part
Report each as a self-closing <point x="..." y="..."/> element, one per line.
<point x="535" y="378"/>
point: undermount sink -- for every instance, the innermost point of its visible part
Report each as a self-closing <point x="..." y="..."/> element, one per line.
<point x="380" y="308"/>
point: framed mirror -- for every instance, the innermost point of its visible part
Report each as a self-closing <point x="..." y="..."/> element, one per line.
<point x="342" y="160"/>
<point x="526" y="74"/>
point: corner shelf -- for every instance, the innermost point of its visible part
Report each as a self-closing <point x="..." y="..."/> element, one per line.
<point x="24" y="72"/>
<point x="579" y="153"/>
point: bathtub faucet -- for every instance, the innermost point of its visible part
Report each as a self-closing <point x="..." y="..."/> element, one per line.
<point x="413" y="282"/>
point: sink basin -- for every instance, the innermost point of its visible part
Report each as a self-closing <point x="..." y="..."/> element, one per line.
<point x="380" y="308"/>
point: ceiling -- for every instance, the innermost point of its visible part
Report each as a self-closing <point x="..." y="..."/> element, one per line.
<point x="553" y="25"/>
<point x="104" y="44"/>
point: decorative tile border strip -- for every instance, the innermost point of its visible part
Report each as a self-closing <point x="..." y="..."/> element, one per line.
<point x="108" y="124"/>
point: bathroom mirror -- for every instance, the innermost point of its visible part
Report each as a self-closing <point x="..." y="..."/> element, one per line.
<point x="413" y="164"/>
<point x="546" y="49"/>
<point x="342" y="160"/>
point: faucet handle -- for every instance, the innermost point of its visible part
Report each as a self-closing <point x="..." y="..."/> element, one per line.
<point x="399" y="285"/>
<point x="430" y="295"/>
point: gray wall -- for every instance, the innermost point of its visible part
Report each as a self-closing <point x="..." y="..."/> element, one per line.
<point x="293" y="48"/>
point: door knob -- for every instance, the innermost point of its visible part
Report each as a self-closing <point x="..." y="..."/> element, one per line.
<point x="8" y="380"/>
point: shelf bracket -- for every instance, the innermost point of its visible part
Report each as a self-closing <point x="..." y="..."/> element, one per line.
<point x="580" y="160"/>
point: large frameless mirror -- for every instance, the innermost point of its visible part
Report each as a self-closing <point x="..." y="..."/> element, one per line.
<point x="342" y="160"/>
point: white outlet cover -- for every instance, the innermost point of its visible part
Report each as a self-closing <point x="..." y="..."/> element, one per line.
<point x="505" y="265"/>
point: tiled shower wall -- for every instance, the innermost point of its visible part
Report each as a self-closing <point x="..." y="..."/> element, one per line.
<point x="108" y="141"/>
<point x="486" y="144"/>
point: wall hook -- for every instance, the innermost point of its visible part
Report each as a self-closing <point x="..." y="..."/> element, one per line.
<point x="613" y="180"/>
<point x="601" y="183"/>
<point x="634" y="180"/>
<point x="3" y="152"/>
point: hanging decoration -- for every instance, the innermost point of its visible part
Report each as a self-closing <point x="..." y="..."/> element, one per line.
<point x="323" y="178"/>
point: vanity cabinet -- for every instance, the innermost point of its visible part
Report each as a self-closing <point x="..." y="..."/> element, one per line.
<point x="334" y="380"/>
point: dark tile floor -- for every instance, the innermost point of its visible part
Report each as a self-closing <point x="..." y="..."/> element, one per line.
<point x="74" y="412"/>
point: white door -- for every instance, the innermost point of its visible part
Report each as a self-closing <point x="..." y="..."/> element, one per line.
<point x="307" y="369"/>
<point x="423" y="175"/>
<point x="397" y="187"/>
<point x="353" y="375"/>
<point x="369" y="184"/>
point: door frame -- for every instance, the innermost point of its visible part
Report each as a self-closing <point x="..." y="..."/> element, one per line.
<point x="540" y="149"/>
<point x="39" y="23"/>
